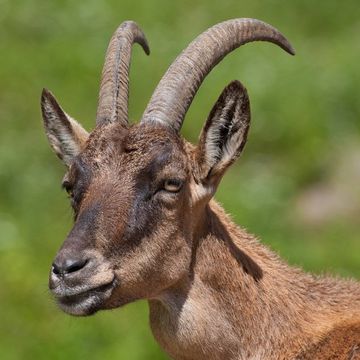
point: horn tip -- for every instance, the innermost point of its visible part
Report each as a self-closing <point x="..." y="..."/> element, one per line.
<point x="285" y="45"/>
<point x="291" y="50"/>
<point x="146" y="47"/>
<point x="140" y="37"/>
<point x="141" y="40"/>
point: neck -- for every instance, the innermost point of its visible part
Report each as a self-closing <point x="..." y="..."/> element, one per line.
<point x="237" y="300"/>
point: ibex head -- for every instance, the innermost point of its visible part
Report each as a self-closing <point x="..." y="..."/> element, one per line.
<point x="140" y="192"/>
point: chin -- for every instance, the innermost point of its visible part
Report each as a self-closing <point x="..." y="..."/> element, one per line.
<point x="86" y="303"/>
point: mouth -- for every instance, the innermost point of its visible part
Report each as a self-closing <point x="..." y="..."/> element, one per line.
<point x="87" y="302"/>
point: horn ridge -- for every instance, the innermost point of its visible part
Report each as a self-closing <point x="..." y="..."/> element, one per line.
<point x="114" y="86"/>
<point x="176" y="90"/>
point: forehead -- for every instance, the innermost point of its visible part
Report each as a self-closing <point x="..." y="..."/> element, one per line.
<point x="140" y="144"/>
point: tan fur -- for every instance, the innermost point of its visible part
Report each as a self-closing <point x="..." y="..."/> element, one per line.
<point x="214" y="291"/>
<point x="278" y="316"/>
<point x="146" y="227"/>
<point x="341" y="343"/>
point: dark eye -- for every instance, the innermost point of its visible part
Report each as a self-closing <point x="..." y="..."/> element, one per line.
<point x="68" y="188"/>
<point x="173" y="185"/>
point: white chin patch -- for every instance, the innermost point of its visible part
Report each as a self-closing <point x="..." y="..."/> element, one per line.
<point x="83" y="307"/>
<point x="86" y="303"/>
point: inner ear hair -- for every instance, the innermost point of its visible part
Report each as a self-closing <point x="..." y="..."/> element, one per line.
<point x="224" y="134"/>
<point x="66" y="136"/>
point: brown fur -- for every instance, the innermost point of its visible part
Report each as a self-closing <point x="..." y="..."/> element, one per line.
<point x="216" y="292"/>
<point x="275" y="317"/>
<point x="146" y="227"/>
<point x="342" y="343"/>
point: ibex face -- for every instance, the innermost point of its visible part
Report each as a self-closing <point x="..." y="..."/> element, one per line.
<point x="139" y="192"/>
<point x="129" y="189"/>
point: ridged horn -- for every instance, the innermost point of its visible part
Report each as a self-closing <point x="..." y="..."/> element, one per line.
<point x="114" y="87"/>
<point x="176" y="90"/>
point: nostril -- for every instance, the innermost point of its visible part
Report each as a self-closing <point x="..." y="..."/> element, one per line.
<point x="74" y="265"/>
<point x="68" y="266"/>
<point x="55" y="269"/>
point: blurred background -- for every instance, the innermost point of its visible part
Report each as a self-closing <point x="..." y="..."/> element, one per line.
<point x="296" y="185"/>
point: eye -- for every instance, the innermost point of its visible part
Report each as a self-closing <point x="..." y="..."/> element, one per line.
<point x="68" y="188"/>
<point x="173" y="185"/>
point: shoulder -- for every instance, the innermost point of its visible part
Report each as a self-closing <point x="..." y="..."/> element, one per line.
<point x="341" y="343"/>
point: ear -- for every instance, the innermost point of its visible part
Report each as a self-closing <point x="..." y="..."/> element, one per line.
<point x="224" y="134"/>
<point x="65" y="135"/>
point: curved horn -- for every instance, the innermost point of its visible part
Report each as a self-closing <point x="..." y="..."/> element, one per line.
<point x="114" y="87"/>
<point x="176" y="90"/>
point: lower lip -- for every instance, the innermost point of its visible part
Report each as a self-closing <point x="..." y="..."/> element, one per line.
<point x="86" y="303"/>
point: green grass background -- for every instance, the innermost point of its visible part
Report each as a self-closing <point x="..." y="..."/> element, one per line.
<point x="305" y="111"/>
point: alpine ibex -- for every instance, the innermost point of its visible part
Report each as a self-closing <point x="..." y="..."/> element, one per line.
<point x="146" y="226"/>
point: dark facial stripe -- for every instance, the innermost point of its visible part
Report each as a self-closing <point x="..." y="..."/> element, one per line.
<point x="82" y="235"/>
<point x="143" y="216"/>
<point x="79" y="178"/>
